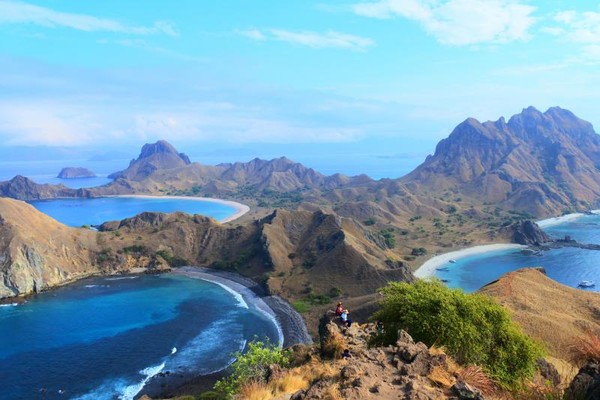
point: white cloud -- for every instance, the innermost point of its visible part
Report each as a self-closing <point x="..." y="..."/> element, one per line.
<point x="579" y="27"/>
<point x="316" y="40"/>
<point x="210" y="122"/>
<point x="75" y="122"/>
<point x="16" y="12"/>
<point x="45" y="123"/>
<point x="253" y="34"/>
<point x="459" y="22"/>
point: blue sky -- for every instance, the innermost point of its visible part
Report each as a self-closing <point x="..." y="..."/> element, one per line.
<point x="388" y="77"/>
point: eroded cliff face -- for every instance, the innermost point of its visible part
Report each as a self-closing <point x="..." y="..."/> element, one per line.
<point x="37" y="252"/>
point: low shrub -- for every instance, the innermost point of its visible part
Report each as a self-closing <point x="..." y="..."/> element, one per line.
<point x="472" y="327"/>
<point x="252" y="367"/>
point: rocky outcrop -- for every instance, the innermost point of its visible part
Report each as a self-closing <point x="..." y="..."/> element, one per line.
<point x="528" y="233"/>
<point x="406" y="370"/>
<point x="75" y="173"/>
<point x="586" y="384"/>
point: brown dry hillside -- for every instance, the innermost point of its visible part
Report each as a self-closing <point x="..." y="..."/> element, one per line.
<point x="37" y="252"/>
<point x="553" y="313"/>
<point x="293" y="253"/>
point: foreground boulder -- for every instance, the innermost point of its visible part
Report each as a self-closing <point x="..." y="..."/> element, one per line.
<point x="586" y="384"/>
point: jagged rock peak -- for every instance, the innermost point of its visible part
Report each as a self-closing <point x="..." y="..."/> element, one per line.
<point x="161" y="147"/>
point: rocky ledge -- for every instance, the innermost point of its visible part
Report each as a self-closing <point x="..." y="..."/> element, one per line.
<point x="407" y="370"/>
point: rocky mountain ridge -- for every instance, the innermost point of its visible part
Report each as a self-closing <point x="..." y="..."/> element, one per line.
<point x="536" y="162"/>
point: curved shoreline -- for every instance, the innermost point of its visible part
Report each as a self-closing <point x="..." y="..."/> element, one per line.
<point x="240" y="209"/>
<point x="246" y="298"/>
<point x="427" y="269"/>
<point x="291" y="328"/>
<point x="291" y="325"/>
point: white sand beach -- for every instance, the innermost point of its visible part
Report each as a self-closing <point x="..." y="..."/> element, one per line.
<point x="240" y="209"/>
<point x="428" y="268"/>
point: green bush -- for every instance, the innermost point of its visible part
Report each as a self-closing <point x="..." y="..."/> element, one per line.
<point x="252" y="366"/>
<point x="418" y="251"/>
<point x="172" y="260"/>
<point x="472" y="327"/>
<point x="388" y="237"/>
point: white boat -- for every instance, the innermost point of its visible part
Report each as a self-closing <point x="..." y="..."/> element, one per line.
<point x="452" y="261"/>
<point x="586" y="284"/>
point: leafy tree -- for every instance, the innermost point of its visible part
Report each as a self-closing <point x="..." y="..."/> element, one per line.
<point x="252" y="366"/>
<point x="472" y="327"/>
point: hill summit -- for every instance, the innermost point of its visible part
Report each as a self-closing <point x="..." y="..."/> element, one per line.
<point x="537" y="162"/>
<point x="155" y="156"/>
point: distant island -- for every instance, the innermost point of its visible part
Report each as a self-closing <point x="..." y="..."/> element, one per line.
<point x="75" y="173"/>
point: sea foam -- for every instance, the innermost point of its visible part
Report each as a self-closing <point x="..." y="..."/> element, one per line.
<point x="132" y="390"/>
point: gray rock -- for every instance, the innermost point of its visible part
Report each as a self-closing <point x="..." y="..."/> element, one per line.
<point x="586" y="384"/>
<point x="463" y="391"/>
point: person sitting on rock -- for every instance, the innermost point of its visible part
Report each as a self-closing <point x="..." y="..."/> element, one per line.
<point x="344" y="316"/>
<point x="379" y="327"/>
<point x="339" y="309"/>
<point x="346" y="354"/>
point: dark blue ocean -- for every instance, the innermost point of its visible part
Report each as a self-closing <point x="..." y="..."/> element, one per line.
<point x="568" y="266"/>
<point x="79" y="212"/>
<point x="103" y="338"/>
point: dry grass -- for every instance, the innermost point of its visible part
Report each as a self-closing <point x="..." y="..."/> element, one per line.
<point x="441" y="377"/>
<point x="332" y="393"/>
<point x="333" y="346"/>
<point x="255" y="391"/>
<point x="547" y="311"/>
<point x="586" y="348"/>
<point x="318" y="370"/>
<point x="291" y="382"/>
<point x="475" y="376"/>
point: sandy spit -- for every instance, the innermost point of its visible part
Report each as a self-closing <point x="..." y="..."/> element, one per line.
<point x="428" y="268"/>
<point x="240" y="209"/>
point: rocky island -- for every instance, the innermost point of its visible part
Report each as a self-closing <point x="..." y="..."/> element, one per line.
<point x="75" y="173"/>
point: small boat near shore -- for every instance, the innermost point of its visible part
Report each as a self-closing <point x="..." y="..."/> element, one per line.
<point x="442" y="269"/>
<point x="586" y="284"/>
<point x="452" y="261"/>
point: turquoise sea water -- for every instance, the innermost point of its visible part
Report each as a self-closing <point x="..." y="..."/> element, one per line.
<point x="568" y="266"/>
<point x="78" y="212"/>
<point x="102" y="338"/>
